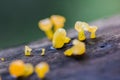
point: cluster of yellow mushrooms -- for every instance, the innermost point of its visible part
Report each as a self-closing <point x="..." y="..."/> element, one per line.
<point x="59" y="38"/>
<point x="53" y="28"/>
<point x="18" y="68"/>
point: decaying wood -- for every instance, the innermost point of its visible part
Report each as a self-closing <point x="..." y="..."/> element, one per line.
<point x="100" y="62"/>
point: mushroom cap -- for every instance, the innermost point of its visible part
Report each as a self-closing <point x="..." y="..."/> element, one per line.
<point x="85" y="26"/>
<point x="17" y="68"/>
<point x="92" y="28"/>
<point x="78" y="48"/>
<point x="42" y="69"/>
<point x="58" y="20"/>
<point x="45" y="24"/>
<point x="80" y="26"/>
<point x="59" y="38"/>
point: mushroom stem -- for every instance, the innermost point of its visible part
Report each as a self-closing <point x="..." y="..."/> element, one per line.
<point x="46" y="26"/>
<point x="81" y="35"/>
<point x="49" y="34"/>
<point x="93" y="35"/>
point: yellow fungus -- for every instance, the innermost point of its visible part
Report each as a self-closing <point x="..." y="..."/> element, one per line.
<point x="43" y="52"/>
<point x="80" y="30"/>
<point x="17" y="68"/>
<point x="58" y="21"/>
<point x="42" y="69"/>
<point x="28" y="51"/>
<point x="68" y="52"/>
<point x="78" y="48"/>
<point x="28" y="69"/>
<point x="85" y="26"/>
<point x="46" y="26"/>
<point x="60" y="38"/>
<point x="92" y="30"/>
<point x="67" y="39"/>
<point x="2" y="59"/>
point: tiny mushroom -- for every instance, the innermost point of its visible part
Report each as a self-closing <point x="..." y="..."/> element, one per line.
<point x="46" y="26"/>
<point x="92" y="30"/>
<point x="78" y="48"/>
<point x="17" y="68"/>
<point x="43" y="52"/>
<point x="60" y="38"/>
<point x="27" y="51"/>
<point x="58" y="21"/>
<point x="28" y="70"/>
<point x="42" y="69"/>
<point x="79" y="28"/>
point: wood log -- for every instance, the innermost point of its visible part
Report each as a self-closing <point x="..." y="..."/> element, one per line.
<point x="100" y="62"/>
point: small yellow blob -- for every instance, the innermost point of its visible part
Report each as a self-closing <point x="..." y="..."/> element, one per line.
<point x="68" y="52"/>
<point x="92" y="30"/>
<point x="17" y="68"/>
<point x="43" y="52"/>
<point x="78" y="48"/>
<point x="28" y="51"/>
<point x="42" y="69"/>
<point x="2" y="59"/>
<point x="60" y="38"/>
<point x="46" y="26"/>
<point x="58" y="21"/>
<point x="28" y="70"/>
<point x="79" y="28"/>
<point x="67" y="40"/>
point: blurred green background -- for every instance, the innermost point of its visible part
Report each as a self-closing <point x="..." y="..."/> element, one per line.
<point x="19" y="18"/>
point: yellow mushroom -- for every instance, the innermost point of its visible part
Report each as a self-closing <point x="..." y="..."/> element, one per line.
<point x="43" y="52"/>
<point x="28" y="70"/>
<point x="60" y="38"/>
<point x="27" y="51"/>
<point x="58" y="21"/>
<point x="46" y="26"/>
<point x="42" y="69"/>
<point x="85" y="26"/>
<point x="17" y="68"/>
<point x="78" y="48"/>
<point x="92" y="30"/>
<point x="79" y="28"/>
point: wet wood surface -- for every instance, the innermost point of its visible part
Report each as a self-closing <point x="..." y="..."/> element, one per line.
<point x="100" y="62"/>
